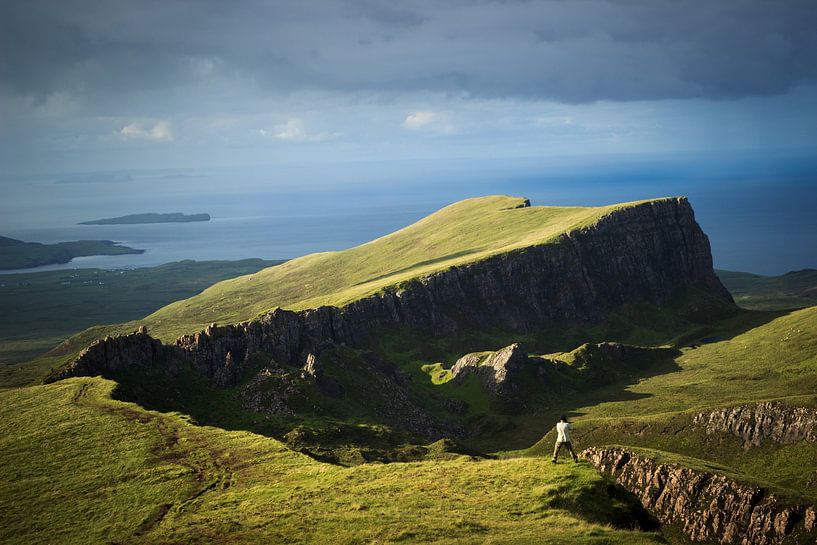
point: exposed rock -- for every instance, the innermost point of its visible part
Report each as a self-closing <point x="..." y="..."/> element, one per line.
<point x="754" y="423"/>
<point x="258" y="397"/>
<point x="115" y="353"/>
<point x="641" y="253"/>
<point x="312" y="367"/>
<point x="496" y="370"/>
<point x="706" y="506"/>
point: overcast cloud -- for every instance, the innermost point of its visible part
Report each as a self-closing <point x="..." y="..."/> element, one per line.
<point x="90" y="82"/>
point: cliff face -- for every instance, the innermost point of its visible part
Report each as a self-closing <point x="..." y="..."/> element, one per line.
<point x="706" y="506"/>
<point x="496" y="370"/>
<point x="114" y="353"/>
<point x="638" y="254"/>
<point x="754" y="423"/>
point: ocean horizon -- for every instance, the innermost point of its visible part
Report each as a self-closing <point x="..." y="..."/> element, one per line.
<point x="759" y="217"/>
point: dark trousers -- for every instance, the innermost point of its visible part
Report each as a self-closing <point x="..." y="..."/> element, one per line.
<point x="558" y="447"/>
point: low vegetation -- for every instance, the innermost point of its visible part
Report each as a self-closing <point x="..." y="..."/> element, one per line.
<point x="114" y="472"/>
<point x="166" y="457"/>
<point x="40" y="310"/>
<point x="463" y="232"/>
<point x="16" y="254"/>
<point x="796" y="289"/>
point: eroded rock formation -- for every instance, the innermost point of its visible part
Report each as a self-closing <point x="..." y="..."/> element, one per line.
<point x="707" y="507"/>
<point x="641" y="253"/>
<point x="113" y="353"/>
<point x="758" y="422"/>
<point x="496" y="370"/>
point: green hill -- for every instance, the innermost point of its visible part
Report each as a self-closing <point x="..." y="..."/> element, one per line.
<point x="16" y="254"/>
<point x="192" y="459"/>
<point x="796" y="289"/>
<point x="464" y="232"/>
<point x="112" y="472"/>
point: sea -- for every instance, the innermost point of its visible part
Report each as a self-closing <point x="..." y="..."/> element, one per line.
<point x="760" y="215"/>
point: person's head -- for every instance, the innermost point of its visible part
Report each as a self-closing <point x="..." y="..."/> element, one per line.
<point x="563" y="419"/>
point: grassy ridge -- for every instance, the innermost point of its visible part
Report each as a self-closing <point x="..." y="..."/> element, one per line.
<point x="776" y="360"/>
<point x="463" y="232"/>
<point x="99" y="470"/>
<point x="114" y="472"/>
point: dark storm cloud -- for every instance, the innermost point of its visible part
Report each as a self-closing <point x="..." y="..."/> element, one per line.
<point x="567" y="51"/>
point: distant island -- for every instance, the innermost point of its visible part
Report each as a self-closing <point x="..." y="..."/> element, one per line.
<point x="16" y="254"/>
<point x="173" y="217"/>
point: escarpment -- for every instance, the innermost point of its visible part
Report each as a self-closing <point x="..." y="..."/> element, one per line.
<point x="707" y="507"/>
<point x="754" y="423"/>
<point x="640" y="253"/>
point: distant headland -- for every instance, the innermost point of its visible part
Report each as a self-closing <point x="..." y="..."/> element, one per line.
<point x="173" y="217"/>
<point x="16" y="254"/>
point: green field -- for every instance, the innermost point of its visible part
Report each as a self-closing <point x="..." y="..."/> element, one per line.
<point x="112" y="472"/>
<point x="796" y="289"/>
<point x="774" y="361"/>
<point x="40" y="310"/>
<point x="186" y="462"/>
<point x="16" y="254"/>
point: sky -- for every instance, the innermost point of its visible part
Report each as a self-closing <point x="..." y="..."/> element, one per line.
<point x="95" y="90"/>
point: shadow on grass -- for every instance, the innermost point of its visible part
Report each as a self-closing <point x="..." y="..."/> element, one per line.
<point x="340" y="434"/>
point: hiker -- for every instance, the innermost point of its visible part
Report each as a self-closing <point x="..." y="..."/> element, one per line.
<point x="563" y="429"/>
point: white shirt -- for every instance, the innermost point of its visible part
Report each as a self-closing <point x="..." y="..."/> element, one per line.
<point x="563" y="432"/>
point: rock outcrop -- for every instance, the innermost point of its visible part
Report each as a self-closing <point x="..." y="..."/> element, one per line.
<point x="707" y="507"/>
<point x="758" y="422"/>
<point x="114" y="353"/>
<point x="497" y="370"/>
<point x="641" y="253"/>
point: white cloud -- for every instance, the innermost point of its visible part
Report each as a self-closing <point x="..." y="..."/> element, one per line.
<point x="428" y="121"/>
<point x="295" y="130"/>
<point x="161" y="131"/>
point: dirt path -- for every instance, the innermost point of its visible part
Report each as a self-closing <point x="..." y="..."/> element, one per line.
<point x="208" y="467"/>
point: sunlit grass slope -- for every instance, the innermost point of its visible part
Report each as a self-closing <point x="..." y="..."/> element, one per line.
<point x="774" y="360"/>
<point x="79" y="467"/>
<point x="466" y="231"/>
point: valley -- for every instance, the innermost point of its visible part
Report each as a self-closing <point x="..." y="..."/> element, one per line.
<point x="406" y="390"/>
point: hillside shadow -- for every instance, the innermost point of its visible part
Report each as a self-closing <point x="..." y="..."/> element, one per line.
<point x="527" y="428"/>
<point x="510" y="428"/>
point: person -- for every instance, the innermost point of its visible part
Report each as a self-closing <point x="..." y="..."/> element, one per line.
<point x="563" y="439"/>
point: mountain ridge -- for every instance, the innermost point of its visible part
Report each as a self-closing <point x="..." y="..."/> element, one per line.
<point x="643" y="252"/>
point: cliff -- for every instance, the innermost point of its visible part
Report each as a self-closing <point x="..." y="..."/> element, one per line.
<point x="754" y="423"/>
<point x="707" y="507"/>
<point x="641" y="253"/>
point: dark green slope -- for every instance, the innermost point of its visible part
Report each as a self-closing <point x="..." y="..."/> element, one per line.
<point x="796" y="289"/>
